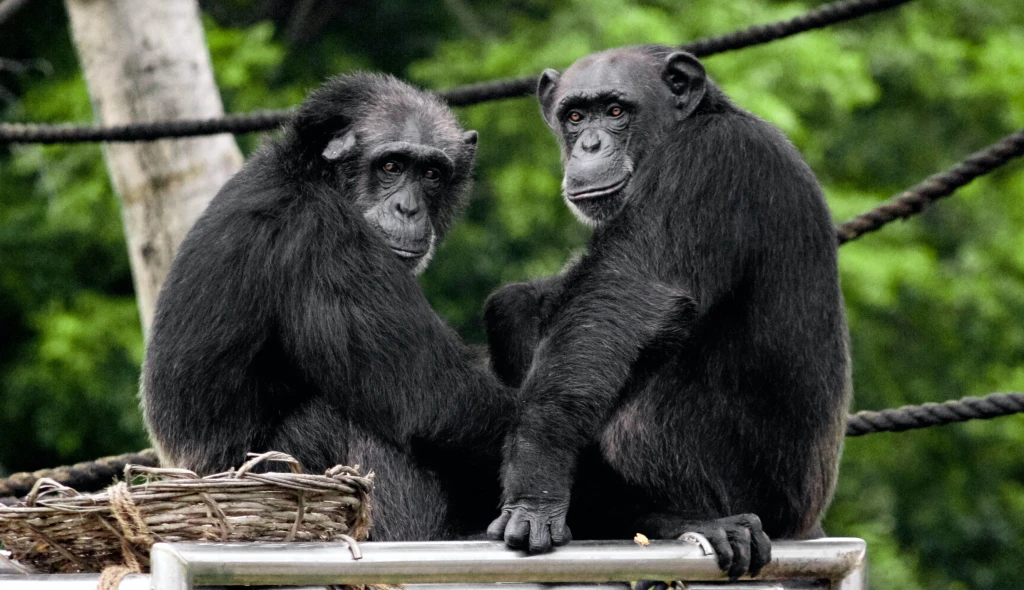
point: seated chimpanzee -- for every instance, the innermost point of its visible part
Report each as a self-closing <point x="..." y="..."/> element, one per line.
<point x="691" y="369"/>
<point x="291" y="319"/>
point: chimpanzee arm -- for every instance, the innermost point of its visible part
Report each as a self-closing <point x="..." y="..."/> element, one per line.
<point x="514" y="316"/>
<point x="374" y="346"/>
<point x="200" y="396"/>
<point x="578" y="370"/>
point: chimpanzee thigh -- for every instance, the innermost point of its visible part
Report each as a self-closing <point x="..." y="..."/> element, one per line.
<point x="409" y="501"/>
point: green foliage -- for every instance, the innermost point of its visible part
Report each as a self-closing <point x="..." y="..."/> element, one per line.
<point x="875" y="105"/>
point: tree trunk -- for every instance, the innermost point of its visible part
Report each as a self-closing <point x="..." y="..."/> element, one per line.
<point x="147" y="61"/>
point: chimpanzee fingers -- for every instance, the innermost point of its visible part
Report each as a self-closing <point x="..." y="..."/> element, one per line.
<point x="496" y="530"/>
<point x="540" y="535"/>
<point x="517" y="531"/>
<point x="650" y="585"/>
<point x="739" y="541"/>
<point x="560" y="533"/>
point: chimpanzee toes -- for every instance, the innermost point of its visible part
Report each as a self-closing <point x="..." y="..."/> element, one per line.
<point x="720" y="543"/>
<point x="739" y="542"/>
<point x="649" y="585"/>
<point x="760" y="548"/>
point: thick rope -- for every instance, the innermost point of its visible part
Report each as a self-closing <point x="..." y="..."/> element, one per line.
<point x="244" y="123"/>
<point x="994" y="405"/>
<point x="914" y="200"/>
<point x="471" y="94"/>
<point x="87" y="476"/>
<point x="926" y="415"/>
<point x="819" y="18"/>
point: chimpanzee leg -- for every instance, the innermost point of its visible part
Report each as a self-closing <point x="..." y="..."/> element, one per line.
<point x="409" y="502"/>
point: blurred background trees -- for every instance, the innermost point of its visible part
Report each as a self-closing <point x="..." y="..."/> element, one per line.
<point x="935" y="304"/>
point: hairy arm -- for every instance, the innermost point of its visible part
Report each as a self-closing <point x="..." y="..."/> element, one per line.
<point x="515" y="316"/>
<point x="363" y="333"/>
<point x="200" y="399"/>
<point x="573" y="384"/>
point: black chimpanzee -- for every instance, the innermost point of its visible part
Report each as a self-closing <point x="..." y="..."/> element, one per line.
<point x="291" y="319"/>
<point x="691" y="369"/>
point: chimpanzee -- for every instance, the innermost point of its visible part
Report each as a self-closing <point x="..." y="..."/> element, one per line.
<point x="691" y="369"/>
<point x="291" y="319"/>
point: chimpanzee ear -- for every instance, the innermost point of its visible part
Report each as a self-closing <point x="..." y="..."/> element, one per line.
<point x="546" y="95"/>
<point x="340" y="145"/>
<point x="685" y="77"/>
<point x="470" y="138"/>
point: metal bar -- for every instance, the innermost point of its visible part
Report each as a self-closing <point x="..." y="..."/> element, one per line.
<point x="70" y="582"/>
<point x="180" y="566"/>
<point x="142" y="582"/>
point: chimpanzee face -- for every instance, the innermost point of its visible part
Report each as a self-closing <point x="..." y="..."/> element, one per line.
<point x="405" y="181"/>
<point x="609" y="109"/>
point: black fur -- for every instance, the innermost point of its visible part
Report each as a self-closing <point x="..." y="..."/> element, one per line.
<point x="288" y="323"/>
<point x="693" y="365"/>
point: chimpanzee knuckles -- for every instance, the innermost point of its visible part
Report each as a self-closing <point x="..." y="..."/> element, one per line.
<point x="740" y="543"/>
<point x="535" y="527"/>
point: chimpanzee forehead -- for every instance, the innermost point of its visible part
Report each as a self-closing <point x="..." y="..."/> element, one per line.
<point x="413" y="128"/>
<point x="619" y="71"/>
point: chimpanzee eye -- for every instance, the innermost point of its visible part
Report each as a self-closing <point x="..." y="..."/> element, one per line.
<point x="616" y="111"/>
<point x="392" y="167"/>
<point x="575" y="116"/>
<point x="431" y="174"/>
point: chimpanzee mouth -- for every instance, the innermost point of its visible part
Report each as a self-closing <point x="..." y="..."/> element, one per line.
<point x="408" y="254"/>
<point x="605" y="191"/>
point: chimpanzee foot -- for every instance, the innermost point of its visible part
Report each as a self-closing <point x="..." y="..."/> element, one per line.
<point x="740" y="543"/>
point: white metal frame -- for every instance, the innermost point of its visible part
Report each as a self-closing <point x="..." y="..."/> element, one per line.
<point x="833" y="563"/>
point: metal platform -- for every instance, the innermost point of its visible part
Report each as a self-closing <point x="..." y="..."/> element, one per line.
<point x="834" y="563"/>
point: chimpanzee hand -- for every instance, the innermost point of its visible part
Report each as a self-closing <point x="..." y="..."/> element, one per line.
<point x="533" y="524"/>
<point x="739" y="543"/>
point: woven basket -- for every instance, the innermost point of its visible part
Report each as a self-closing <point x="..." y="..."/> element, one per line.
<point x="58" y="530"/>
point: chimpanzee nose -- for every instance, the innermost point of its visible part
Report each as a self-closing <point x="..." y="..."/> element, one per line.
<point x="407" y="207"/>
<point x="590" y="141"/>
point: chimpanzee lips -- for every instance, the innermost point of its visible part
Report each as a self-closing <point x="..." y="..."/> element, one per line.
<point x="406" y="253"/>
<point x="596" y="193"/>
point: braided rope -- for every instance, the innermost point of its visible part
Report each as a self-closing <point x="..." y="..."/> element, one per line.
<point x="914" y="200"/>
<point x="84" y="477"/>
<point x="931" y="414"/>
<point x="467" y="95"/>
<point x="93" y="475"/>
<point x="63" y="133"/>
<point x="821" y="17"/>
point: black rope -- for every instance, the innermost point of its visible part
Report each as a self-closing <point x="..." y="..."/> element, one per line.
<point x="471" y="94"/>
<point x="244" y="123"/>
<point x="94" y="475"/>
<point x="931" y="414"/>
<point x="917" y="198"/>
<point x="84" y="477"/>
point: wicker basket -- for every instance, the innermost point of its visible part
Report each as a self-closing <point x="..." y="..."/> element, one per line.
<point x="58" y="530"/>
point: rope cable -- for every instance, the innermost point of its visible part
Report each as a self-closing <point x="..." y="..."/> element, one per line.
<point x="92" y="475"/>
<point x="915" y="199"/>
<point x="471" y="94"/>
<point x="927" y="415"/>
